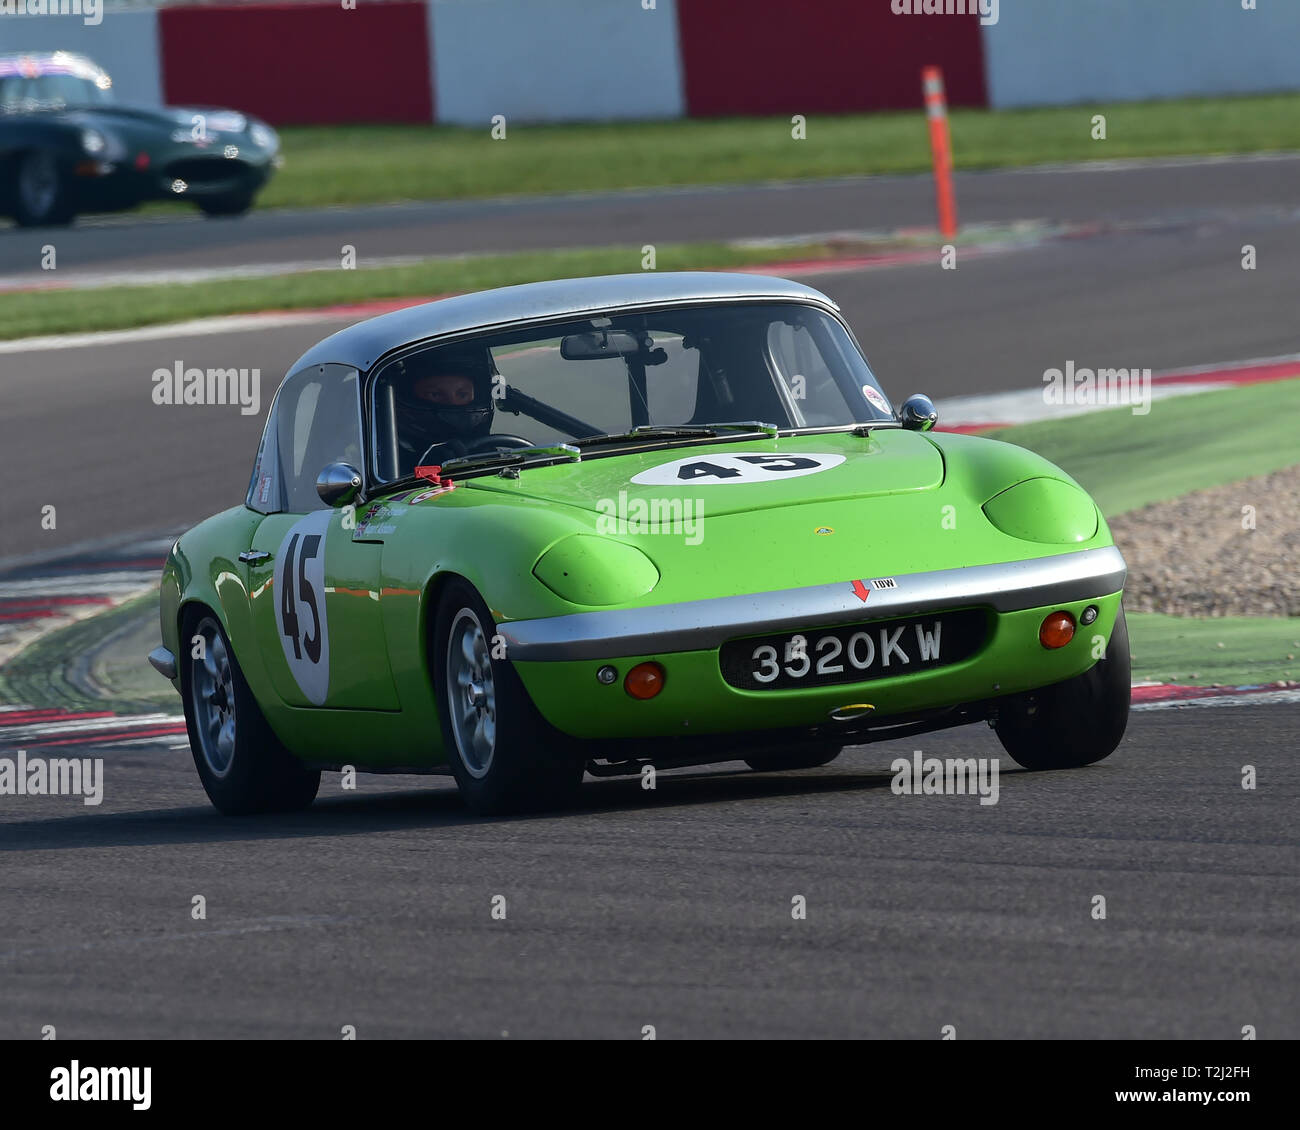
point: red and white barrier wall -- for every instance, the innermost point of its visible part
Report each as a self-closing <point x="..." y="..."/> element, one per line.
<point x="555" y="60"/>
<point x="1058" y="52"/>
<point x="466" y="61"/>
<point x="300" y="63"/>
<point x="820" y="57"/>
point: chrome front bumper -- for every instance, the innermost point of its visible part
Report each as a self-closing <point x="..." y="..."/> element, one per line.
<point x="699" y="625"/>
<point x="163" y="661"/>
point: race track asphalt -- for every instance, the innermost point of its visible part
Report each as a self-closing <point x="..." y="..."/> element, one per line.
<point x="673" y="907"/>
<point x="1123" y="192"/>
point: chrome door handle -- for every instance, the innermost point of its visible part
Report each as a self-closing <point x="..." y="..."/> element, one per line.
<point x="254" y="556"/>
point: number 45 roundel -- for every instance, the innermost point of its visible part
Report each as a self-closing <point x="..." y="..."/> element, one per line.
<point x="299" y="595"/>
<point x="724" y="469"/>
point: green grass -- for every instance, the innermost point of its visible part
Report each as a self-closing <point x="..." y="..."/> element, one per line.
<point x="375" y="164"/>
<point x="29" y="313"/>
<point x="1186" y="443"/>
<point x="1175" y="649"/>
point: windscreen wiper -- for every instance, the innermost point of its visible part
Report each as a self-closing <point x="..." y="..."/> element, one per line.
<point x="769" y="430"/>
<point x="679" y="431"/>
<point x="487" y="460"/>
<point x="649" y="431"/>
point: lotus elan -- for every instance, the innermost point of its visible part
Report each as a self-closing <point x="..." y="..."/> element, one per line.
<point x="591" y="525"/>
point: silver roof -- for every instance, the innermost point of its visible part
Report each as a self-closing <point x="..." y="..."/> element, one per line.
<point x="363" y="344"/>
<point x="50" y="62"/>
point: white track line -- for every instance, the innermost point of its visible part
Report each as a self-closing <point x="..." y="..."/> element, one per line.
<point x="82" y="584"/>
<point x="1260" y="698"/>
<point x="1028" y="405"/>
<point x="198" y="327"/>
<point x="34" y="730"/>
<point x="179" y="276"/>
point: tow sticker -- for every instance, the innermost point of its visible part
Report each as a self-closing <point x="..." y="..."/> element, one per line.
<point x="738" y="467"/>
<point x="299" y="594"/>
<point x="873" y="395"/>
<point x="433" y="492"/>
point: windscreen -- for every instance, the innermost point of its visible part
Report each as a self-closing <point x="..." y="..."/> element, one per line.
<point x="786" y="364"/>
<point x="20" y="92"/>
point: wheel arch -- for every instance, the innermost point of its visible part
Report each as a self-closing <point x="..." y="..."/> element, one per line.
<point x="434" y="587"/>
<point x="188" y="614"/>
<point x="432" y="592"/>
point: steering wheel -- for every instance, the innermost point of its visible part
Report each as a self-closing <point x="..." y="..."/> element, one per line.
<point x="491" y="443"/>
<point x="458" y="448"/>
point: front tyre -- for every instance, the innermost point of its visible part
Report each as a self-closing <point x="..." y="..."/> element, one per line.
<point x="229" y="204"/>
<point x="241" y="762"/>
<point x="1076" y="722"/>
<point x="504" y="755"/>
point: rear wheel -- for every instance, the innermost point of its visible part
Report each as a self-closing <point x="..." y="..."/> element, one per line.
<point x="504" y="755"/>
<point x="1076" y="722"/>
<point x="795" y="759"/>
<point x="42" y="197"/>
<point x="241" y="762"/>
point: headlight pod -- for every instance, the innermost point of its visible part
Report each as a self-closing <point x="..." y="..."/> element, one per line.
<point x="93" y="142"/>
<point x="225" y="121"/>
<point x="585" y="569"/>
<point x="1044" y="510"/>
<point x="264" y="137"/>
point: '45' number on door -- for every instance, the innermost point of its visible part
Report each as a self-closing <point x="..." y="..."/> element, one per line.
<point x="300" y="605"/>
<point x="308" y="549"/>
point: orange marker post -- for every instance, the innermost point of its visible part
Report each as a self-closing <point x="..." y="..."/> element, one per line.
<point x="936" y="110"/>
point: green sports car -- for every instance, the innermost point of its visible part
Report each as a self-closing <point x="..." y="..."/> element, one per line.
<point x="598" y="524"/>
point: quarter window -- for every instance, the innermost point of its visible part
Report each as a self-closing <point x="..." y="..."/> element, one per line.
<point x="314" y="421"/>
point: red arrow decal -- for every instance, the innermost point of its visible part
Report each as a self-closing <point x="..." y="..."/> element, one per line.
<point x="861" y="591"/>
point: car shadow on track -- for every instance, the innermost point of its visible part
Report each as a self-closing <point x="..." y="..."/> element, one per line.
<point x="434" y="808"/>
